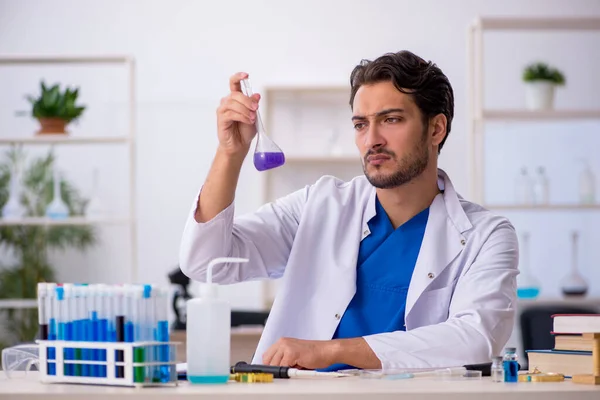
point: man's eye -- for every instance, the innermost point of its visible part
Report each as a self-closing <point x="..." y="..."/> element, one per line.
<point x="392" y="120"/>
<point x="359" y="126"/>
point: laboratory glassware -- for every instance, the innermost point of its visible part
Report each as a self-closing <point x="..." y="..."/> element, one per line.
<point x="574" y="284"/>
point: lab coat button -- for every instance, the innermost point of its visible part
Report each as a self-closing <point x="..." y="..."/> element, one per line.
<point x="463" y="241"/>
<point x="337" y="316"/>
<point x="366" y="232"/>
<point x="430" y="275"/>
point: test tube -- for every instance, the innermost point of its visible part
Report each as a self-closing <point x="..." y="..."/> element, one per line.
<point x="77" y="310"/>
<point x="51" y="311"/>
<point x="42" y="315"/>
<point x="120" y="330"/>
<point x="162" y="303"/>
<point x="147" y="329"/>
<point x="68" y="315"/>
<point x="93" y="301"/>
<point x="138" y="332"/>
<point x="103" y="301"/>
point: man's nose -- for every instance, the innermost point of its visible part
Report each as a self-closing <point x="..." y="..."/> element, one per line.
<point x="373" y="138"/>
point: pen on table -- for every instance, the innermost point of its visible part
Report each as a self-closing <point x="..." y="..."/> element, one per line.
<point x="281" y="372"/>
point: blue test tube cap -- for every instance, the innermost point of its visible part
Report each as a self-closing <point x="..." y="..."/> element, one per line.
<point x="147" y="291"/>
<point x="60" y="293"/>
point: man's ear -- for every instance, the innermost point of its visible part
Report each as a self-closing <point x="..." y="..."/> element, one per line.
<point x="437" y="129"/>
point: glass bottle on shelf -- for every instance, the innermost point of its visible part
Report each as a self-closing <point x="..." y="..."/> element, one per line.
<point x="528" y="287"/>
<point x="574" y="284"/>
<point x="57" y="209"/>
<point x="13" y="209"/>
<point x="523" y="188"/>
<point x="541" y="190"/>
<point x="587" y="185"/>
<point x="95" y="208"/>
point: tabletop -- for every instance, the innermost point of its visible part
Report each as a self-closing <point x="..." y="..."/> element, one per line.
<point x="29" y="388"/>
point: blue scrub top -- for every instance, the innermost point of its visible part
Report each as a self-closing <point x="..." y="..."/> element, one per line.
<point x="386" y="260"/>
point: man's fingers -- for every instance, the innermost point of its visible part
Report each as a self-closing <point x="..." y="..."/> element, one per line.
<point x="234" y="81"/>
<point x="232" y="105"/>
<point x="251" y="103"/>
<point x="231" y="115"/>
<point x="288" y="360"/>
<point x="276" y="360"/>
<point x="268" y="355"/>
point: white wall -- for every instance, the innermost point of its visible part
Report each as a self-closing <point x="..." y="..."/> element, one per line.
<point x="185" y="52"/>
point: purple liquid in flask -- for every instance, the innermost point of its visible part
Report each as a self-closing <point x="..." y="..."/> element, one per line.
<point x="267" y="154"/>
<point x="267" y="160"/>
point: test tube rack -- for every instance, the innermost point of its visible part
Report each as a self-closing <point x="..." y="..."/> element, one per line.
<point x="594" y="378"/>
<point x="134" y="374"/>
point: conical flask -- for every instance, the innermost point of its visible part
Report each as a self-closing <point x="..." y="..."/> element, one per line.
<point x="267" y="155"/>
<point x="574" y="284"/>
<point x="528" y="286"/>
<point x="57" y="209"/>
<point x="95" y="207"/>
<point x="13" y="209"/>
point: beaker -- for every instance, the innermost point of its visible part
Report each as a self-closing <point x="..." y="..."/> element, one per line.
<point x="528" y="286"/>
<point x="574" y="284"/>
<point x="267" y="155"/>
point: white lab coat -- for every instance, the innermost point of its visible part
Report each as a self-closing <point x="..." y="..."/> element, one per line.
<point x="460" y="307"/>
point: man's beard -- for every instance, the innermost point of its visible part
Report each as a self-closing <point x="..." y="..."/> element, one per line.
<point x="411" y="166"/>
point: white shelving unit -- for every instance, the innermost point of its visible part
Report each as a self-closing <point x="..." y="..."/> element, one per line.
<point x="479" y="115"/>
<point x="302" y="119"/>
<point x="63" y="140"/>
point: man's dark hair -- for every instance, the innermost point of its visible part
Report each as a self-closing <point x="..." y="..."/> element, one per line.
<point x="410" y="74"/>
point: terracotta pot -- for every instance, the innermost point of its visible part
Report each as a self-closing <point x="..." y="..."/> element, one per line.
<point x="52" y="126"/>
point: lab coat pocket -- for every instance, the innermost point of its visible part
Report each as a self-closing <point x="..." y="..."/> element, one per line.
<point x="433" y="305"/>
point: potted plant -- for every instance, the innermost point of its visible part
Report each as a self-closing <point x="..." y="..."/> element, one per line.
<point x="541" y="80"/>
<point x="55" y="109"/>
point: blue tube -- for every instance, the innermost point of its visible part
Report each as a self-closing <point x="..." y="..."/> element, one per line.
<point x="103" y="336"/>
<point x="163" y="336"/>
<point x="52" y="335"/>
<point x="93" y="337"/>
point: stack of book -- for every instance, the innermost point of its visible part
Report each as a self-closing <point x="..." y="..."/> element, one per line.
<point x="572" y="352"/>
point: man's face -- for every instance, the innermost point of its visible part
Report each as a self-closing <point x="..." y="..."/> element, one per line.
<point x="393" y="142"/>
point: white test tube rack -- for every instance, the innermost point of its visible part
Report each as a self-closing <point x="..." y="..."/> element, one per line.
<point x="111" y="347"/>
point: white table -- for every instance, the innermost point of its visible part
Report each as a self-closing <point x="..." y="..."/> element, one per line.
<point x="342" y="388"/>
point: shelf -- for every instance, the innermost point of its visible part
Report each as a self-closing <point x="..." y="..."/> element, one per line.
<point x="574" y="300"/>
<point x="66" y="59"/>
<point x="63" y="139"/>
<point x="526" y="115"/>
<point x="308" y="88"/>
<point x="507" y="23"/>
<point x="41" y="221"/>
<point x="539" y="207"/>
<point x="323" y="159"/>
<point x="18" y="303"/>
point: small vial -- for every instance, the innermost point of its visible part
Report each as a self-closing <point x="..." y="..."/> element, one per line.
<point x="497" y="369"/>
<point x="511" y="365"/>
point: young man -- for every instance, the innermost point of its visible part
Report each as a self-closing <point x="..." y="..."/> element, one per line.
<point x="390" y="270"/>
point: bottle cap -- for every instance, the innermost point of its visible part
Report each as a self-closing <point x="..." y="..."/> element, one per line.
<point x="511" y="349"/>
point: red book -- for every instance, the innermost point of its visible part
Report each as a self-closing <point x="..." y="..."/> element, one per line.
<point x="576" y="323"/>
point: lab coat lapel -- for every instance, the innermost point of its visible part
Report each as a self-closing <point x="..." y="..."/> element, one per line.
<point x="441" y="244"/>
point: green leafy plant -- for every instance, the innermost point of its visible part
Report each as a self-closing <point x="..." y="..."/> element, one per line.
<point x="28" y="246"/>
<point x="54" y="103"/>
<point x="543" y="72"/>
